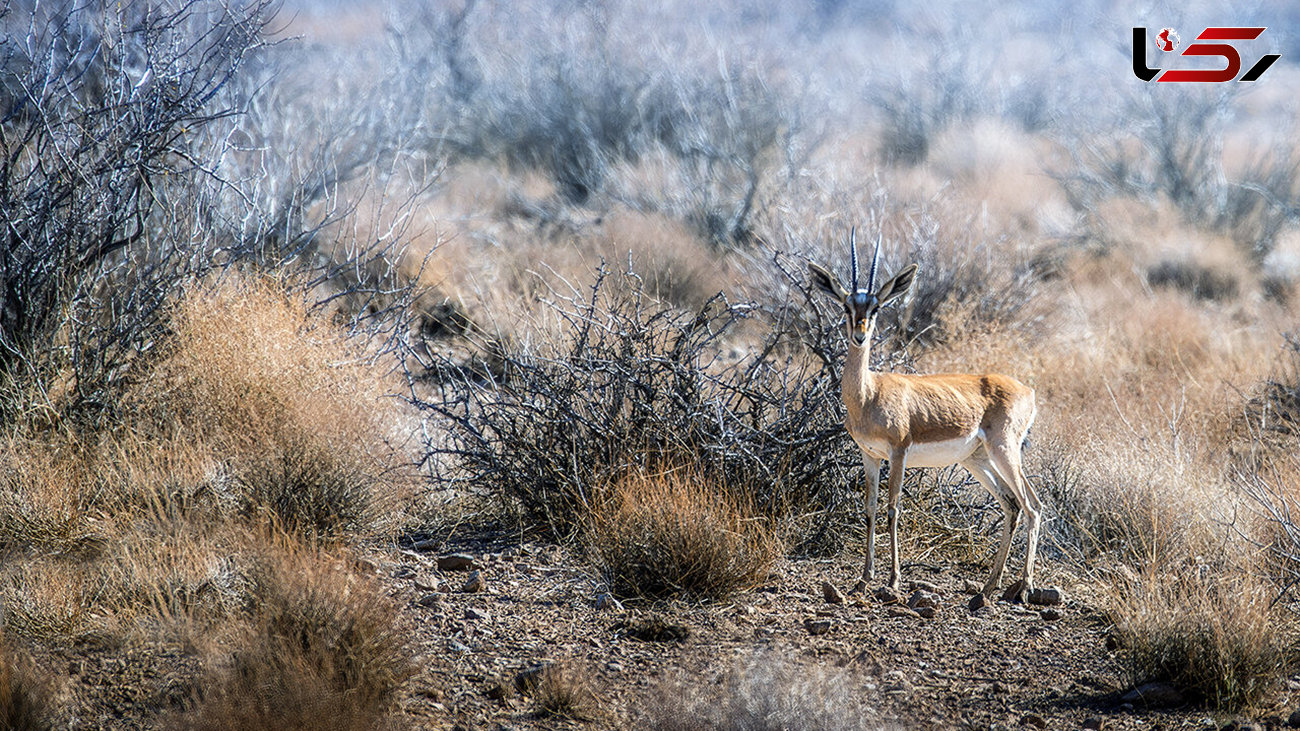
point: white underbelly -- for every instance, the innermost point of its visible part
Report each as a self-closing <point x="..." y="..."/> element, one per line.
<point x="930" y="454"/>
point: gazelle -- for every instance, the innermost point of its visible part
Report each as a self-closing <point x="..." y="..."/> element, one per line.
<point x="977" y="421"/>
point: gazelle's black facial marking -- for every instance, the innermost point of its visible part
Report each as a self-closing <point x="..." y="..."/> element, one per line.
<point x="860" y="308"/>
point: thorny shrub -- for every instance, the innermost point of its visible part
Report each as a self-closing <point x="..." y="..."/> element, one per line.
<point x="629" y="384"/>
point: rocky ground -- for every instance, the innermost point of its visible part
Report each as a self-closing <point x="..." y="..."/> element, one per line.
<point x="484" y="621"/>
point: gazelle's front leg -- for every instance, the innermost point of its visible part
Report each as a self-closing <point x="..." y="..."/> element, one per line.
<point x="897" y="464"/>
<point x="871" y="467"/>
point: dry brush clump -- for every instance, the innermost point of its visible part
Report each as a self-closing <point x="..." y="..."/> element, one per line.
<point x="673" y="534"/>
<point x="626" y="383"/>
<point x="1213" y="634"/>
<point x="323" y="648"/>
<point x="295" y="409"/>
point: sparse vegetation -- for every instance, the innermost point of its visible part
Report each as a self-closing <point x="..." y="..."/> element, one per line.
<point x="255" y="265"/>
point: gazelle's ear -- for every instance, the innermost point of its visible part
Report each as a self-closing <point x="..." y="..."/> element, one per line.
<point x="896" y="287"/>
<point x="826" y="282"/>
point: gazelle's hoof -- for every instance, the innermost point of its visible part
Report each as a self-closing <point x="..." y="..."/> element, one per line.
<point x="1016" y="593"/>
<point x="860" y="587"/>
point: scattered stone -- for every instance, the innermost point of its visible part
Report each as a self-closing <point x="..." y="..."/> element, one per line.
<point x="1050" y="615"/>
<point x="886" y="595"/>
<point x="927" y="612"/>
<point x="921" y="598"/>
<point x="427" y="583"/>
<point x="977" y="602"/>
<point x="1126" y="707"/>
<point x="614" y="666"/>
<point x="457" y="646"/>
<point x="895" y="610"/>
<point x="456" y="562"/>
<point x="474" y="583"/>
<point x="428" y="600"/>
<point x="1154" y="695"/>
<point x="817" y="626"/>
<point x="1294" y="719"/>
<point x="1033" y="719"/>
<point x="924" y="586"/>
<point x="403" y="572"/>
<point x="971" y="587"/>
<point x="605" y="600"/>
<point x="1094" y="723"/>
<point x="831" y="594"/>
<point x="475" y="614"/>
<point x="1045" y="597"/>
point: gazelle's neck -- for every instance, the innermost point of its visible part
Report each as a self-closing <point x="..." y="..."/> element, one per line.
<point x="859" y="383"/>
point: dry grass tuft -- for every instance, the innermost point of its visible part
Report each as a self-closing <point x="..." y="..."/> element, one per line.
<point x="566" y="690"/>
<point x="293" y="406"/>
<point x="766" y="694"/>
<point x="1213" y="635"/>
<point x="324" y="650"/>
<point x="671" y="534"/>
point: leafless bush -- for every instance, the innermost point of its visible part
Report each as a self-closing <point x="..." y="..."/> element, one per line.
<point x="582" y="107"/>
<point x="630" y="384"/>
<point x="102" y="105"/>
<point x="1197" y="280"/>
<point x="1173" y="147"/>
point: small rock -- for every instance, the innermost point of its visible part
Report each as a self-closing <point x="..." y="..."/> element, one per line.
<point x="1294" y="719"/>
<point x="886" y="595"/>
<point x="475" y="614"/>
<point x="922" y="598"/>
<point x="428" y="600"/>
<point x="1094" y="723"/>
<point x="614" y="666"/>
<point x="1050" y="615"/>
<point x="895" y="610"/>
<point x="403" y="572"/>
<point x="924" y="586"/>
<point x="457" y="646"/>
<point x="970" y="587"/>
<point x="1154" y="695"/>
<point x="817" y="626"/>
<point x="474" y="583"/>
<point x="1125" y="708"/>
<point x="1045" y="597"/>
<point x="1033" y="719"/>
<point x="927" y="612"/>
<point x="456" y="562"/>
<point x="605" y="600"/>
<point x="427" y="583"/>
<point x="831" y="594"/>
<point x="977" y="602"/>
<point x="428" y="544"/>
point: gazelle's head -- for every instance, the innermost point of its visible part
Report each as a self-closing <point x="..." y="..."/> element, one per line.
<point x="862" y="305"/>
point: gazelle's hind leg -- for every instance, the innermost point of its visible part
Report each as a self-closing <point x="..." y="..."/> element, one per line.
<point x="1006" y="461"/>
<point x="982" y="469"/>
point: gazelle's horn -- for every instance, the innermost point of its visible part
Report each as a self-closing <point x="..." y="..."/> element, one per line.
<point x="853" y="256"/>
<point x="875" y="259"/>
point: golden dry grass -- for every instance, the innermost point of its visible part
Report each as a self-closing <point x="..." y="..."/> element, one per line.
<point x="671" y="534"/>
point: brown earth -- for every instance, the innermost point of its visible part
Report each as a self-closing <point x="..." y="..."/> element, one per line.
<point x="1005" y="666"/>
